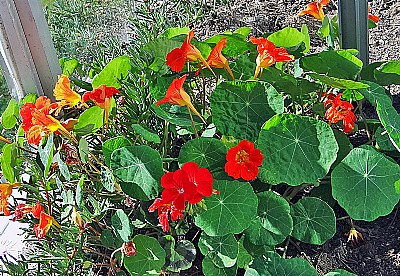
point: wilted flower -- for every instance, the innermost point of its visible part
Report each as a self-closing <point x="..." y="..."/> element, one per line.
<point x="129" y="249"/>
<point x="354" y="236"/>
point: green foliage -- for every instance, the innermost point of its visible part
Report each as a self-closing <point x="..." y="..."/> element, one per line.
<point x="236" y="199"/>
<point x="363" y="184"/>
<point x="10" y="115"/>
<point x="273" y="222"/>
<point x="240" y="108"/>
<point x="313" y="221"/>
<point x="288" y="142"/>
<point x="139" y="168"/>
<point x="113" y="73"/>
<point x="149" y="259"/>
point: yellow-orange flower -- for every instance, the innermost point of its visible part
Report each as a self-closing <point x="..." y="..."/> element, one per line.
<point x="177" y="95"/>
<point x="5" y="193"/>
<point x="64" y="95"/>
<point x="45" y="222"/>
<point x="38" y="122"/>
<point x="268" y="54"/>
<point x="315" y="9"/>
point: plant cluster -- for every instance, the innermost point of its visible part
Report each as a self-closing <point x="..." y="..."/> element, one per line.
<point x="221" y="151"/>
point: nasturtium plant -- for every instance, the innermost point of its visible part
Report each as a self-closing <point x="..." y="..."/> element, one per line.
<point x="202" y="155"/>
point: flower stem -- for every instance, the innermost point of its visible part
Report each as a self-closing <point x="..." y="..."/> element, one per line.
<point x="193" y="124"/>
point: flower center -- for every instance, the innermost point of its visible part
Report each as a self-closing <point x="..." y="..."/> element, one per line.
<point x="242" y="156"/>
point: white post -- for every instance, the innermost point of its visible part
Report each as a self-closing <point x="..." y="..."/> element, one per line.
<point x="29" y="60"/>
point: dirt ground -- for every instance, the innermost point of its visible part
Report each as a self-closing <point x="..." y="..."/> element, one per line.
<point x="379" y="254"/>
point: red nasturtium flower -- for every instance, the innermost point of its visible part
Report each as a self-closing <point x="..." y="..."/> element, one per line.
<point x="188" y="184"/>
<point x="187" y="52"/>
<point x="372" y="17"/>
<point x="243" y="161"/>
<point x="268" y="54"/>
<point x="5" y="193"/>
<point x="37" y="121"/>
<point x="101" y="96"/>
<point x="315" y="9"/>
<point x="340" y="110"/>
<point x="177" y="95"/>
<point x="64" y="95"/>
<point x="45" y="222"/>
<point x="217" y="60"/>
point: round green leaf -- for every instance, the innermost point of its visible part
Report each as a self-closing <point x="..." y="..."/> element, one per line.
<point x="344" y="146"/>
<point x="146" y="134"/>
<point x="107" y="238"/>
<point x="342" y="64"/>
<point x="338" y="83"/>
<point x="241" y="107"/>
<point x="113" y="73"/>
<point x="296" y="150"/>
<point x="107" y="179"/>
<point x="313" y="221"/>
<point x="89" y="121"/>
<point x="206" y="152"/>
<point x="272" y="264"/>
<point x="180" y="255"/>
<point x="363" y="184"/>
<point x="112" y="144"/>
<point x="149" y="259"/>
<point x="121" y="225"/>
<point x="244" y="258"/>
<point x="223" y="250"/>
<point x="273" y="223"/>
<point x="10" y="114"/>
<point x="140" y="166"/>
<point x="340" y="272"/>
<point x="209" y="269"/>
<point x="287" y="37"/>
<point x="230" y="211"/>
<point x="177" y="115"/>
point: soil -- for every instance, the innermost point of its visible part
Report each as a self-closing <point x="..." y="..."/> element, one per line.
<point x="379" y="253"/>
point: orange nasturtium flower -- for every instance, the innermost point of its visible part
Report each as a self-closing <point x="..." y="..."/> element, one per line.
<point x="268" y="54"/>
<point x="101" y="96"/>
<point x="45" y="222"/>
<point x="373" y="17"/>
<point x="217" y="60"/>
<point x="64" y="95"/>
<point x="37" y="121"/>
<point x="187" y="52"/>
<point x="315" y="9"/>
<point x="340" y="110"/>
<point x="177" y="95"/>
<point x="5" y="193"/>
